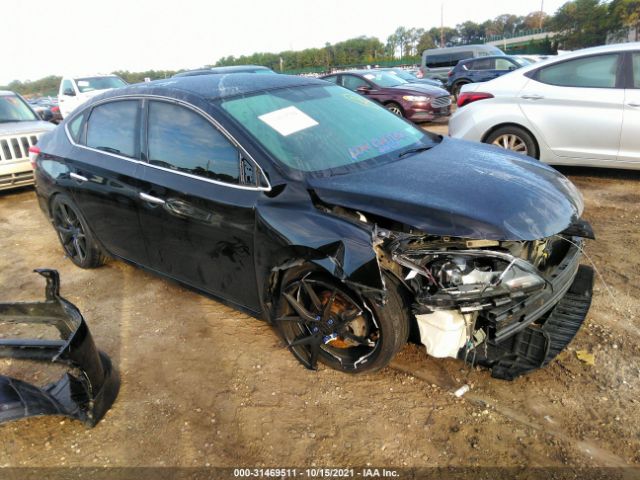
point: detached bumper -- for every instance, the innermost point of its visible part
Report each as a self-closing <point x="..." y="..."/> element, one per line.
<point x="85" y="397"/>
<point x="538" y="343"/>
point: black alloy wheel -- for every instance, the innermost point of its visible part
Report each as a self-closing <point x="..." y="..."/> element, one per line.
<point x="321" y="320"/>
<point x="74" y="235"/>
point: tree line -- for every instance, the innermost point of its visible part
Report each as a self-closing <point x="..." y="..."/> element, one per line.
<point x="578" y="23"/>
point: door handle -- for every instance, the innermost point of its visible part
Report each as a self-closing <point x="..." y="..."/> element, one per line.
<point x="532" y="96"/>
<point x="80" y="178"/>
<point x="152" y="199"/>
<point x="634" y="104"/>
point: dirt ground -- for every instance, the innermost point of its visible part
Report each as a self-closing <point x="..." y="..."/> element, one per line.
<point x="204" y="385"/>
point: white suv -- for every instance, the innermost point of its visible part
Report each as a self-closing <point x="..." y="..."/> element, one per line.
<point x="20" y="128"/>
<point x="74" y="91"/>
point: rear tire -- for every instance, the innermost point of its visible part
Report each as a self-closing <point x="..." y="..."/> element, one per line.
<point x="74" y="234"/>
<point x="357" y="335"/>
<point x="516" y="139"/>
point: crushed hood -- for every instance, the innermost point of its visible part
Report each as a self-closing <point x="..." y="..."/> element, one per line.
<point x="461" y="189"/>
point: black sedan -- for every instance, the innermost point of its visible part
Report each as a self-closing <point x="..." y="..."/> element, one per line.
<point x="317" y="210"/>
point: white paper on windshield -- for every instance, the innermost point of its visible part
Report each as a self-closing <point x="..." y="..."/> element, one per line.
<point x="288" y="120"/>
<point x="83" y="83"/>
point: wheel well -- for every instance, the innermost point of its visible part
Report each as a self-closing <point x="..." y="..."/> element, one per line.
<point x="517" y="125"/>
<point x="394" y="103"/>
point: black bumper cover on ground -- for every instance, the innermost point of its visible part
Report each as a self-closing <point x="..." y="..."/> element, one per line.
<point x="540" y="342"/>
<point x="85" y="397"/>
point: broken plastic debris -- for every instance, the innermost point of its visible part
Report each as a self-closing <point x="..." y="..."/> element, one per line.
<point x="461" y="391"/>
<point x="586" y="357"/>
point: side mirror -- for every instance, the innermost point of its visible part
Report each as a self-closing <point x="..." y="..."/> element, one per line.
<point x="46" y="115"/>
<point x="69" y="92"/>
<point x="512" y="68"/>
<point x="363" y="89"/>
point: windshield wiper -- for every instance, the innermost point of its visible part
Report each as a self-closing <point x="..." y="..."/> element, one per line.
<point x="411" y="151"/>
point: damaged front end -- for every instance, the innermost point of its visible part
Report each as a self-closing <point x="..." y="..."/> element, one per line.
<point x="509" y="305"/>
<point x="85" y="395"/>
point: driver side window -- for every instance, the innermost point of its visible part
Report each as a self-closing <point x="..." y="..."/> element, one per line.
<point x="353" y="83"/>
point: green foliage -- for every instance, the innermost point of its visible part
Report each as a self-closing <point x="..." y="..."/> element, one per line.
<point x="581" y="23"/>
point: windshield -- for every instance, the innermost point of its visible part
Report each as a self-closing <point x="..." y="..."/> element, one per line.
<point x="384" y="79"/>
<point x="403" y="75"/>
<point x="99" y="83"/>
<point x="323" y="128"/>
<point x="14" y="109"/>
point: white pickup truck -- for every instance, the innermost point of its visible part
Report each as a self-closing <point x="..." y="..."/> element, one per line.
<point x="20" y="128"/>
<point x="74" y="91"/>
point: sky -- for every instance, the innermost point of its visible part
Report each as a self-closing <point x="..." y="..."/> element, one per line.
<point x="81" y="37"/>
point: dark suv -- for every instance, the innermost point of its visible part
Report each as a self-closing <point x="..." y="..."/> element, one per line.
<point x="418" y="103"/>
<point x="482" y="69"/>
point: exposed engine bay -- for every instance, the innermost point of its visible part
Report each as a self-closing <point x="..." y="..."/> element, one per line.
<point x="471" y="296"/>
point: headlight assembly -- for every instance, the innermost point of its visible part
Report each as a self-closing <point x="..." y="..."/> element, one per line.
<point x="416" y="98"/>
<point x="470" y="275"/>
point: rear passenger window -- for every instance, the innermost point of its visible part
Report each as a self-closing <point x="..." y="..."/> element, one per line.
<point x="332" y="79"/>
<point x="182" y="140"/>
<point x="483" y="64"/>
<point x="113" y="127"/>
<point x="590" y="72"/>
<point x="636" y="70"/>
<point x="75" y="129"/>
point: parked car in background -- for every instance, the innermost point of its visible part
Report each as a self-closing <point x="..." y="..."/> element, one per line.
<point x="20" y="129"/>
<point x="74" y="91"/>
<point x="230" y="69"/>
<point x="482" y="69"/>
<point x="47" y="108"/>
<point x="438" y="62"/>
<point x="581" y="108"/>
<point x="418" y="103"/>
<point x="344" y="226"/>
<point x="411" y="78"/>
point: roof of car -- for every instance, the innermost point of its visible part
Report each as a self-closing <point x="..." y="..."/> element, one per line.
<point x="228" y="69"/>
<point x="6" y="92"/>
<point x="486" y="57"/>
<point x="223" y="85"/>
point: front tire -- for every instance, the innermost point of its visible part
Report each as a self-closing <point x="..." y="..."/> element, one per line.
<point x="516" y="139"/>
<point x="395" y="109"/>
<point x="74" y="234"/>
<point x="321" y="319"/>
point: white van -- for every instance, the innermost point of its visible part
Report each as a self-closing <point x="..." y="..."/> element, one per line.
<point x="438" y="62"/>
<point x="74" y="91"/>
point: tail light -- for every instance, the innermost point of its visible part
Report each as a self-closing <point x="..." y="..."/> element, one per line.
<point x="55" y="109"/>
<point x="33" y="156"/>
<point x="450" y="73"/>
<point x="419" y="74"/>
<point x="466" y="98"/>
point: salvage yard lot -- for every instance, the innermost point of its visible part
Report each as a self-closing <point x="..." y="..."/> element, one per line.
<point x="205" y="385"/>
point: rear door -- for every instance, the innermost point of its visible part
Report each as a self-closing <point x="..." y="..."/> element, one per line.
<point x="67" y="97"/>
<point x="197" y="211"/>
<point x="630" y="137"/>
<point x="104" y="171"/>
<point x="575" y="106"/>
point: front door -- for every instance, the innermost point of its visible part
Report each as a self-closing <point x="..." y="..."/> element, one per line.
<point x="630" y="138"/>
<point x="576" y="106"/>
<point x="197" y="215"/>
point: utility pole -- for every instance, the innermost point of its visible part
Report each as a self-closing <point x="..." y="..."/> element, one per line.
<point x="541" y="13"/>
<point x="442" y="25"/>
